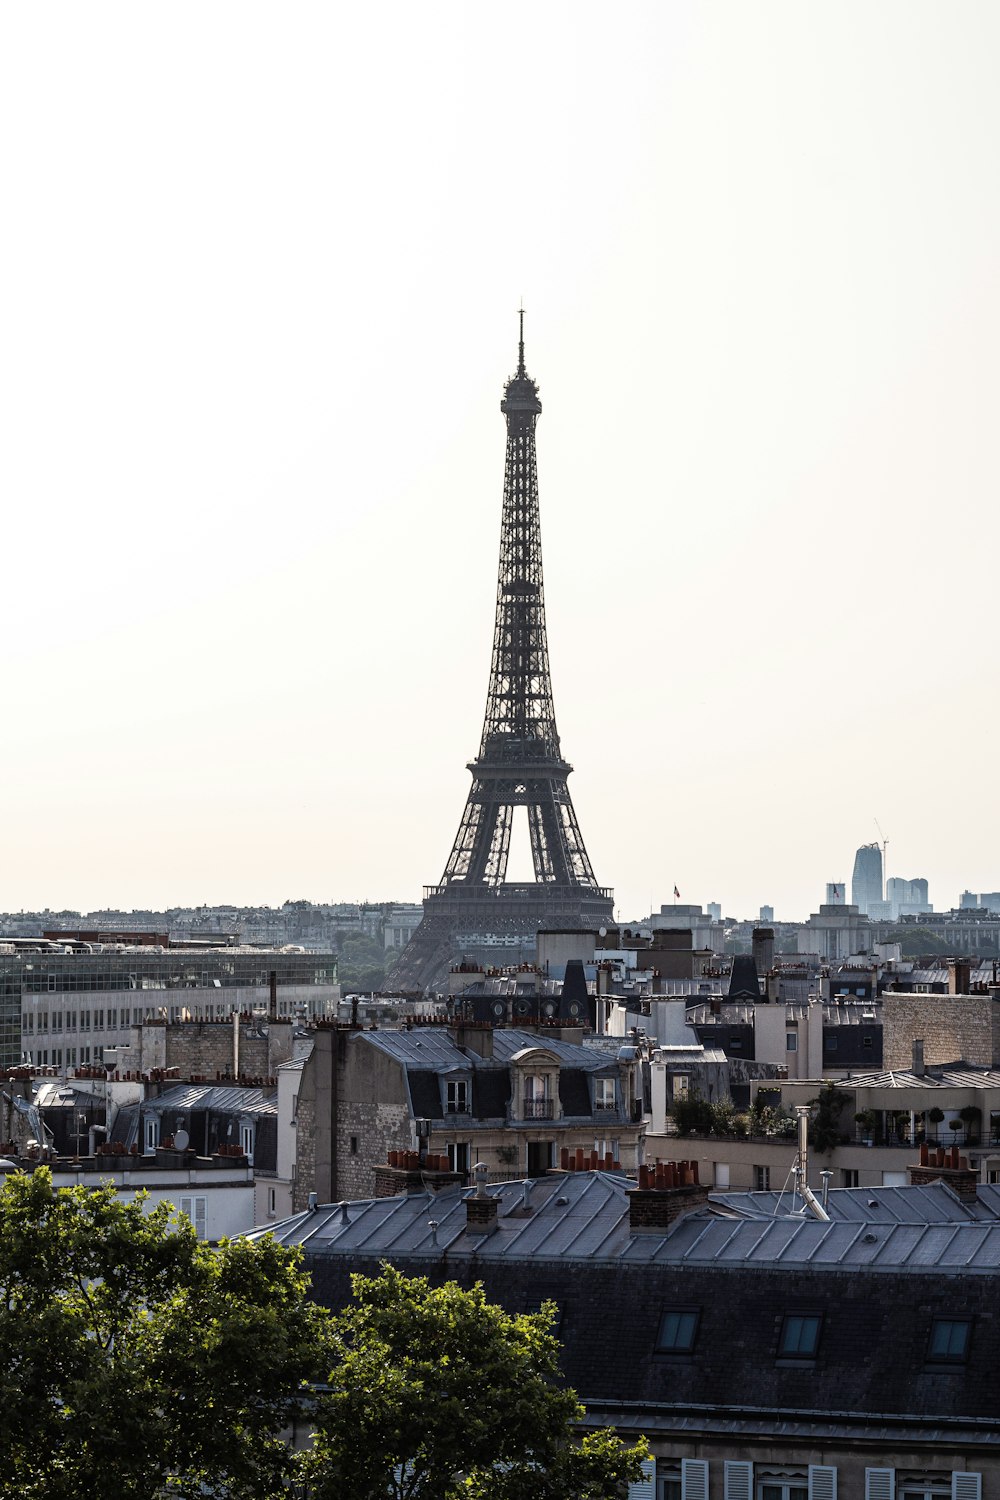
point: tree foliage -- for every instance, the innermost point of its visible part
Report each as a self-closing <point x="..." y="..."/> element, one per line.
<point x="135" y="1360"/>
<point x="826" y="1128"/>
<point x="437" y="1394"/>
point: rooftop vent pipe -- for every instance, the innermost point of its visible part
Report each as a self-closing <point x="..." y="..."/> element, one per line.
<point x="808" y="1196"/>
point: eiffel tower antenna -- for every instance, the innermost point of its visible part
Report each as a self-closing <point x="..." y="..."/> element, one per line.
<point x="520" y="761"/>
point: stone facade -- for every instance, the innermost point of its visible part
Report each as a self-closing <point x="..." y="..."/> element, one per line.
<point x="208" y="1050"/>
<point x="355" y="1107"/>
<point x="952" y="1027"/>
<point x="368" y="1130"/>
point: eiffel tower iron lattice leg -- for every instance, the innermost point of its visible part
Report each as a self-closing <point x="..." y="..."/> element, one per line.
<point x="519" y="764"/>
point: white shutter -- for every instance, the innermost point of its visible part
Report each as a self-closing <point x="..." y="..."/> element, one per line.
<point x="738" y="1481"/>
<point x="644" y="1488"/>
<point x="966" y="1486"/>
<point x="195" y="1208"/>
<point x="822" y="1482"/>
<point x="880" y="1484"/>
<point x="694" y="1479"/>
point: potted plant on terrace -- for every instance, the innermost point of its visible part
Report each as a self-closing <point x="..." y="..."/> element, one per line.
<point x="935" y="1116"/>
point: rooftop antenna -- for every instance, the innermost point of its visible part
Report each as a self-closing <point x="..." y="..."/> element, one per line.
<point x="520" y="348"/>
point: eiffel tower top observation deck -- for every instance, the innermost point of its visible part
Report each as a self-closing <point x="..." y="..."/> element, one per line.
<point x="520" y="762"/>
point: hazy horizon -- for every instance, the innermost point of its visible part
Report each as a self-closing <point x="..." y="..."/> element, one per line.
<point x="263" y="269"/>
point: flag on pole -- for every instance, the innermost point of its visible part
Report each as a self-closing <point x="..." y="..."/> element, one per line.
<point x="676" y="894"/>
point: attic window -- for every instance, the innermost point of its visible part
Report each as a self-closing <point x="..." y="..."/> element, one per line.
<point x="457" y="1101"/>
<point x="949" y="1342"/>
<point x="799" y="1336"/>
<point x="678" y="1330"/>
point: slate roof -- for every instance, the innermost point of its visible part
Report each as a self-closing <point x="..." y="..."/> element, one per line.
<point x="584" y="1217"/>
<point x="958" y="1075"/>
<point x="930" y="1203"/>
<point x="872" y="1382"/>
<point x="220" y="1098"/>
<point x="431" y="1047"/>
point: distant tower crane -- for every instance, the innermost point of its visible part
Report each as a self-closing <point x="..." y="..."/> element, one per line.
<point x="885" y="872"/>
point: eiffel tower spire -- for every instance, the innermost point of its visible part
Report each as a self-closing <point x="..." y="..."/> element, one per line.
<point x="520" y="763"/>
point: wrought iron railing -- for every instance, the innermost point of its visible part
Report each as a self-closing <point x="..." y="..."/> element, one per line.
<point x="539" y="1109"/>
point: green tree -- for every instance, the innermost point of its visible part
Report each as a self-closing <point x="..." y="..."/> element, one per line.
<point x="826" y="1129"/>
<point x="437" y="1394"/>
<point x="136" y="1361"/>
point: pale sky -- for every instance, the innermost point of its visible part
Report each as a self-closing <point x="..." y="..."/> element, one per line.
<point x="261" y="270"/>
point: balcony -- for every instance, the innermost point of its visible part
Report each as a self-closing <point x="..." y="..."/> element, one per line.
<point x="539" y="1109"/>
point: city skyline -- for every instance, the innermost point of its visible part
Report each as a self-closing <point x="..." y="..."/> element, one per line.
<point x="267" y="273"/>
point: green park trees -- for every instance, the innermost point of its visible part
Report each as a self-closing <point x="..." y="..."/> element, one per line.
<point x="137" y="1362"/>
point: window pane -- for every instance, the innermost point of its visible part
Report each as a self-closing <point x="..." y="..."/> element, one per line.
<point x="949" y="1338"/>
<point x="799" y="1336"/>
<point x="677" y="1330"/>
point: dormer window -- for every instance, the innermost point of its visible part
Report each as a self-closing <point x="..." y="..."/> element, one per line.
<point x="604" y="1093"/>
<point x="537" y="1098"/>
<point x="457" y="1096"/>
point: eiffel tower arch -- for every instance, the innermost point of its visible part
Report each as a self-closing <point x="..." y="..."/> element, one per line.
<point x="474" y="910"/>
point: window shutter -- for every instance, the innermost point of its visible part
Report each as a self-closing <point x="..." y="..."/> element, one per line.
<point x="966" y="1486"/>
<point x="822" y="1482"/>
<point x="186" y="1208"/>
<point x="694" y="1479"/>
<point x="644" y="1488"/>
<point x="738" y="1481"/>
<point x="200" y="1217"/>
<point x="880" y="1484"/>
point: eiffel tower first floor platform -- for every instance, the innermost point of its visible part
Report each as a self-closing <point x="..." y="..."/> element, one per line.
<point x="494" y="925"/>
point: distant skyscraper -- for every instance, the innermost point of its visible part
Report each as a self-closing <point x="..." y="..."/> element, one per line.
<point x="906" y="897"/>
<point x="866" y="883"/>
<point x="766" y="914"/>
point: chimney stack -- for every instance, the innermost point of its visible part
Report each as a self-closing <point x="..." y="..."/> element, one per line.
<point x="665" y="1193"/>
<point x="918" y="1069"/>
<point x="959" y="976"/>
<point x="762" y="947"/>
<point x="481" y="1211"/>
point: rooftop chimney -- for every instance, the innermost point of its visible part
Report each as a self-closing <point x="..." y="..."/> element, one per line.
<point x="959" y="976"/>
<point x="666" y="1192"/>
<point x="918" y="1069"/>
<point x="944" y="1164"/>
<point x="469" y="1037"/>
<point x="481" y="1210"/>
<point x="762" y="948"/>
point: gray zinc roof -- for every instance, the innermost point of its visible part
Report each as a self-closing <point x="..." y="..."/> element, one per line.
<point x="584" y="1216"/>
<point x="226" y="1099"/>
<point x="431" y="1048"/>
<point x="931" y="1203"/>
<point x="958" y="1075"/>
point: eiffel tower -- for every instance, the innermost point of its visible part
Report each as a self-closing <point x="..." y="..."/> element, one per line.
<point x="474" y="911"/>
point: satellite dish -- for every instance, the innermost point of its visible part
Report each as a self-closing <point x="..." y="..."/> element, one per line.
<point x="181" y="1140"/>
